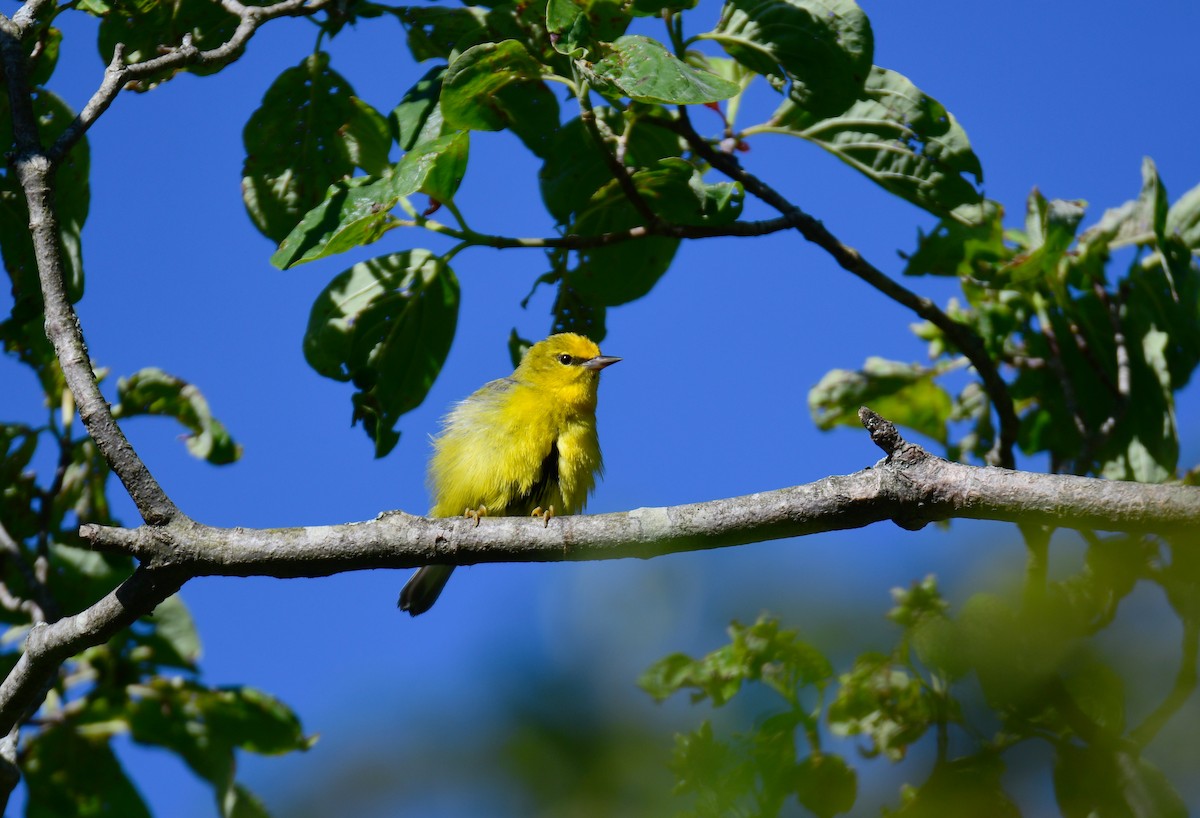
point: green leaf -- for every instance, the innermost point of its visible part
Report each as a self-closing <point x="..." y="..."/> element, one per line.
<point x="963" y="250"/>
<point x="498" y="85"/>
<point x="900" y="138"/>
<point x="205" y="725"/>
<point x="357" y="212"/>
<point x="574" y="314"/>
<point x="655" y="8"/>
<point x="385" y="324"/>
<point x="418" y="117"/>
<point x="622" y="272"/>
<point x="144" y="27"/>
<point x="644" y="71"/>
<point x="1050" y="227"/>
<point x="1133" y="222"/>
<point x="574" y="168"/>
<point x="904" y="393"/>
<point x="435" y="167"/>
<point x="435" y="32"/>
<point x="826" y="785"/>
<point x="68" y="774"/>
<point x="578" y="28"/>
<point x="303" y="138"/>
<point x="151" y="391"/>
<point x="1099" y="692"/>
<point x="174" y="637"/>
<point x="517" y="347"/>
<point x="819" y="52"/>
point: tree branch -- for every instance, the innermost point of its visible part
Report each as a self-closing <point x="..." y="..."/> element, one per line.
<point x="35" y="172"/>
<point x="850" y="260"/>
<point x="910" y="487"/>
<point x="48" y="646"/>
<point x="574" y="241"/>
<point x="118" y="74"/>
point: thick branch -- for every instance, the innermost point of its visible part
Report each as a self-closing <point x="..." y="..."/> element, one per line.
<point x="910" y="487"/>
<point x="35" y="172"/>
<point x="48" y="646"/>
<point x="850" y="260"/>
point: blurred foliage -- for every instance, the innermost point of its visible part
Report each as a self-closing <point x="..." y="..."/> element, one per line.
<point x="1093" y="360"/>
<point x="1035" y="660"/>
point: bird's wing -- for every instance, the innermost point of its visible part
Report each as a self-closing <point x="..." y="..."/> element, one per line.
<point x="544" y="491"/>
<point x="495" y="453"/>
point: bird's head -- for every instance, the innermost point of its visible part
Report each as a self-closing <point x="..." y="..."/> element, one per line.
<point x="566" y="363"/>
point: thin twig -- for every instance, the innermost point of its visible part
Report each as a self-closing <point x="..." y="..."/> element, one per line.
<point x="618" y="170"/>
<point x="574" y="241"/>
<point x="118" y="74"/>
<point x="1124" y="377"/>
<point x="11" y="549"/>
<point x="852" y="261"/>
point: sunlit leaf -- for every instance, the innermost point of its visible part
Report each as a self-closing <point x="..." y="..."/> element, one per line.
<point x="151" y="391"/>
<point x="498" y="85"/>
<point x="905" y="394"/>
<point x="358" y="212"/>
<point x="643" y="70"/>
<point x="368" y="140"/>
<point x="577" y="28"/>
<point x="818" y="52"/>
<point x="418" y="117"/>
<point x="902" y="139"/>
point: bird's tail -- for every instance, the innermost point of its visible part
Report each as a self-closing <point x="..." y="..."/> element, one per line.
<point x="423" y="589"/>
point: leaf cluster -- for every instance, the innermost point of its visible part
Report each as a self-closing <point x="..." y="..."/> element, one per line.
<point x="1093" y="358"/>
<point x="618" y="175"/>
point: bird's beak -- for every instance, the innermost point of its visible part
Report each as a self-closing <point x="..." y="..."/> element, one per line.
<point x="599" y="362"/>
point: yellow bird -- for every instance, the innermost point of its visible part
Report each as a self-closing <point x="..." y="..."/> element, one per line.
<point x="521" y="445"/>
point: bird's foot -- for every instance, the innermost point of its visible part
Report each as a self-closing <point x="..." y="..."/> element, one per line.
<point x="475" y="514"/>
<point x="544" y="514"/>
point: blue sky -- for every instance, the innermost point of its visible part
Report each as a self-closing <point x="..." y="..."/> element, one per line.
<point x="710" y="400"/>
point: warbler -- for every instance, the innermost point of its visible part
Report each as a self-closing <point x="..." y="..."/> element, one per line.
<point x="521" y="445"/>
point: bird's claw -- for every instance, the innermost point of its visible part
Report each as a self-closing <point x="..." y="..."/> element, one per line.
<point x="475" y="514"/>
<point x="544" y="514"/>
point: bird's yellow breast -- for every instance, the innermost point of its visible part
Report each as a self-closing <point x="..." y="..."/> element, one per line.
<point x="513" y="446"/>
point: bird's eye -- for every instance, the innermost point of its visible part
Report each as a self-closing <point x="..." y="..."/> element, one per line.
<point x="565" y="359"/>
